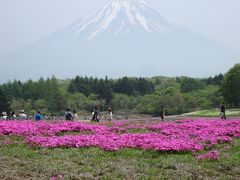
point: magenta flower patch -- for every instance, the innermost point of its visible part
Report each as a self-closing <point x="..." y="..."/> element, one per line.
<point x="178" y="136"/>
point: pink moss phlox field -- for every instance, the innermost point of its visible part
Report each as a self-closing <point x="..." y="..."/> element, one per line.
<point x="176" y="136"/>
<point x="208" y="132"/>
<point x="31" y="128"/>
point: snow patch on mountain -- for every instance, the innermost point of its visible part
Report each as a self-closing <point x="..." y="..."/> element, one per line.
<point x="124" y="38"/>
<point x="120" y="17"/>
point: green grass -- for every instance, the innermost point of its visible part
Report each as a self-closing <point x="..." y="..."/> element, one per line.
<point x="213" y="113"/>
<point x="75" y="133"/>
<point x="20" y="161"/>
<point x="136" y="131"/>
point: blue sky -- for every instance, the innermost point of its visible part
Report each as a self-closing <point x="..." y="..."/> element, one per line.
<point x="24" y="21"/>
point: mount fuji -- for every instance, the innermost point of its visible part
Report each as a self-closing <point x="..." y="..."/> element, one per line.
<point x="124" y="38"/>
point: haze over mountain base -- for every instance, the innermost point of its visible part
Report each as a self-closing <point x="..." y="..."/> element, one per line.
<point x="125" y="38"/>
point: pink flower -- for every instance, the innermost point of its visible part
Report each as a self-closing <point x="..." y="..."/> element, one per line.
<point x="212" y="155"/>
<point x="57" y="177"/>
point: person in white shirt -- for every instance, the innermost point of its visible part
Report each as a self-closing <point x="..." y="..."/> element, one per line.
<point x="110" y="114"/>
<point x="4" y="117"/>
<point x="75" y="115"/>
<point x="22" y="115"/>
<point x="13" y="115"/>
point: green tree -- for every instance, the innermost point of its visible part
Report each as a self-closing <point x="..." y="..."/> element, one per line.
<point x="150" y="104"/>
<point x="18" y="104"/>
<point x="144" y="86"/>
<point x="168" y="82"/>
<point x="231" y="86"/>
<point x="105" y="91"/>
<point x="30" y="90"/>
<point x="169" y="91"/>
<point x="121" y="101"/>
<point x="76" y="101"/>
<point x="190" y="84"/>
<point x="174" y="103"/>
<point x="41" y="104"/>
<point x="216" y="80"/>
<point x="125" y="86"/>
<point x="4" y="106"/>
<point x="54" y="96"/>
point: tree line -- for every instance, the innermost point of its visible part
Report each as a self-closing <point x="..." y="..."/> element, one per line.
<point x="126" y="95"/>
<point x="105" y="88"/>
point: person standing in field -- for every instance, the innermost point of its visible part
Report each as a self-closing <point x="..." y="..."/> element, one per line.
<point x="93" y="114"/>
<point x="223" y="112"/>
<point x="22" y="115"/>
<point x="110" y="114"/>
<point x="162" y="113"/>
<point x="96" y="115"/>
<point x="38" y="116"/>
<point x="13" y="115"/>
<point x="4" y="116"/>
<point x="68" y="115"/>
<point x="75" y="115"/>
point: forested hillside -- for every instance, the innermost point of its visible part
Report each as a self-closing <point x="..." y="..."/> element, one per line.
<point x="125" y="95"/>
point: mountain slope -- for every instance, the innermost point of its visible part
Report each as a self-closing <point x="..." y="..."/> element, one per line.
<point x="126" y="17"/>
<point x="126" y="37"/>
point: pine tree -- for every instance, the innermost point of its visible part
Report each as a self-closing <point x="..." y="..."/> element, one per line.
<point x="4" y="106"/>
<point x="231" y="86"/>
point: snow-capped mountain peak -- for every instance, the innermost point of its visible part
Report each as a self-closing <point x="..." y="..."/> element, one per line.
<point x="120" y="17"/>
<point x="124" y="38"/>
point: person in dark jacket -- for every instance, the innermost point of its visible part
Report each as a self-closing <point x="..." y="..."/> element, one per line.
<point x="68" y="115"/>
<point x="223" y="112"/>
<point x="162" y="113"/>
<point x="96" y="114"/>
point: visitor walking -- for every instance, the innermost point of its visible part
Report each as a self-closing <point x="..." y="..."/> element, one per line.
<point x="162" y="113"/>
<point x="223" y="112"/>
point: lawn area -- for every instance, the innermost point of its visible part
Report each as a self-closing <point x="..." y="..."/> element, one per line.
<point x="20" y="158"/>
<point x="213" y="113"/>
